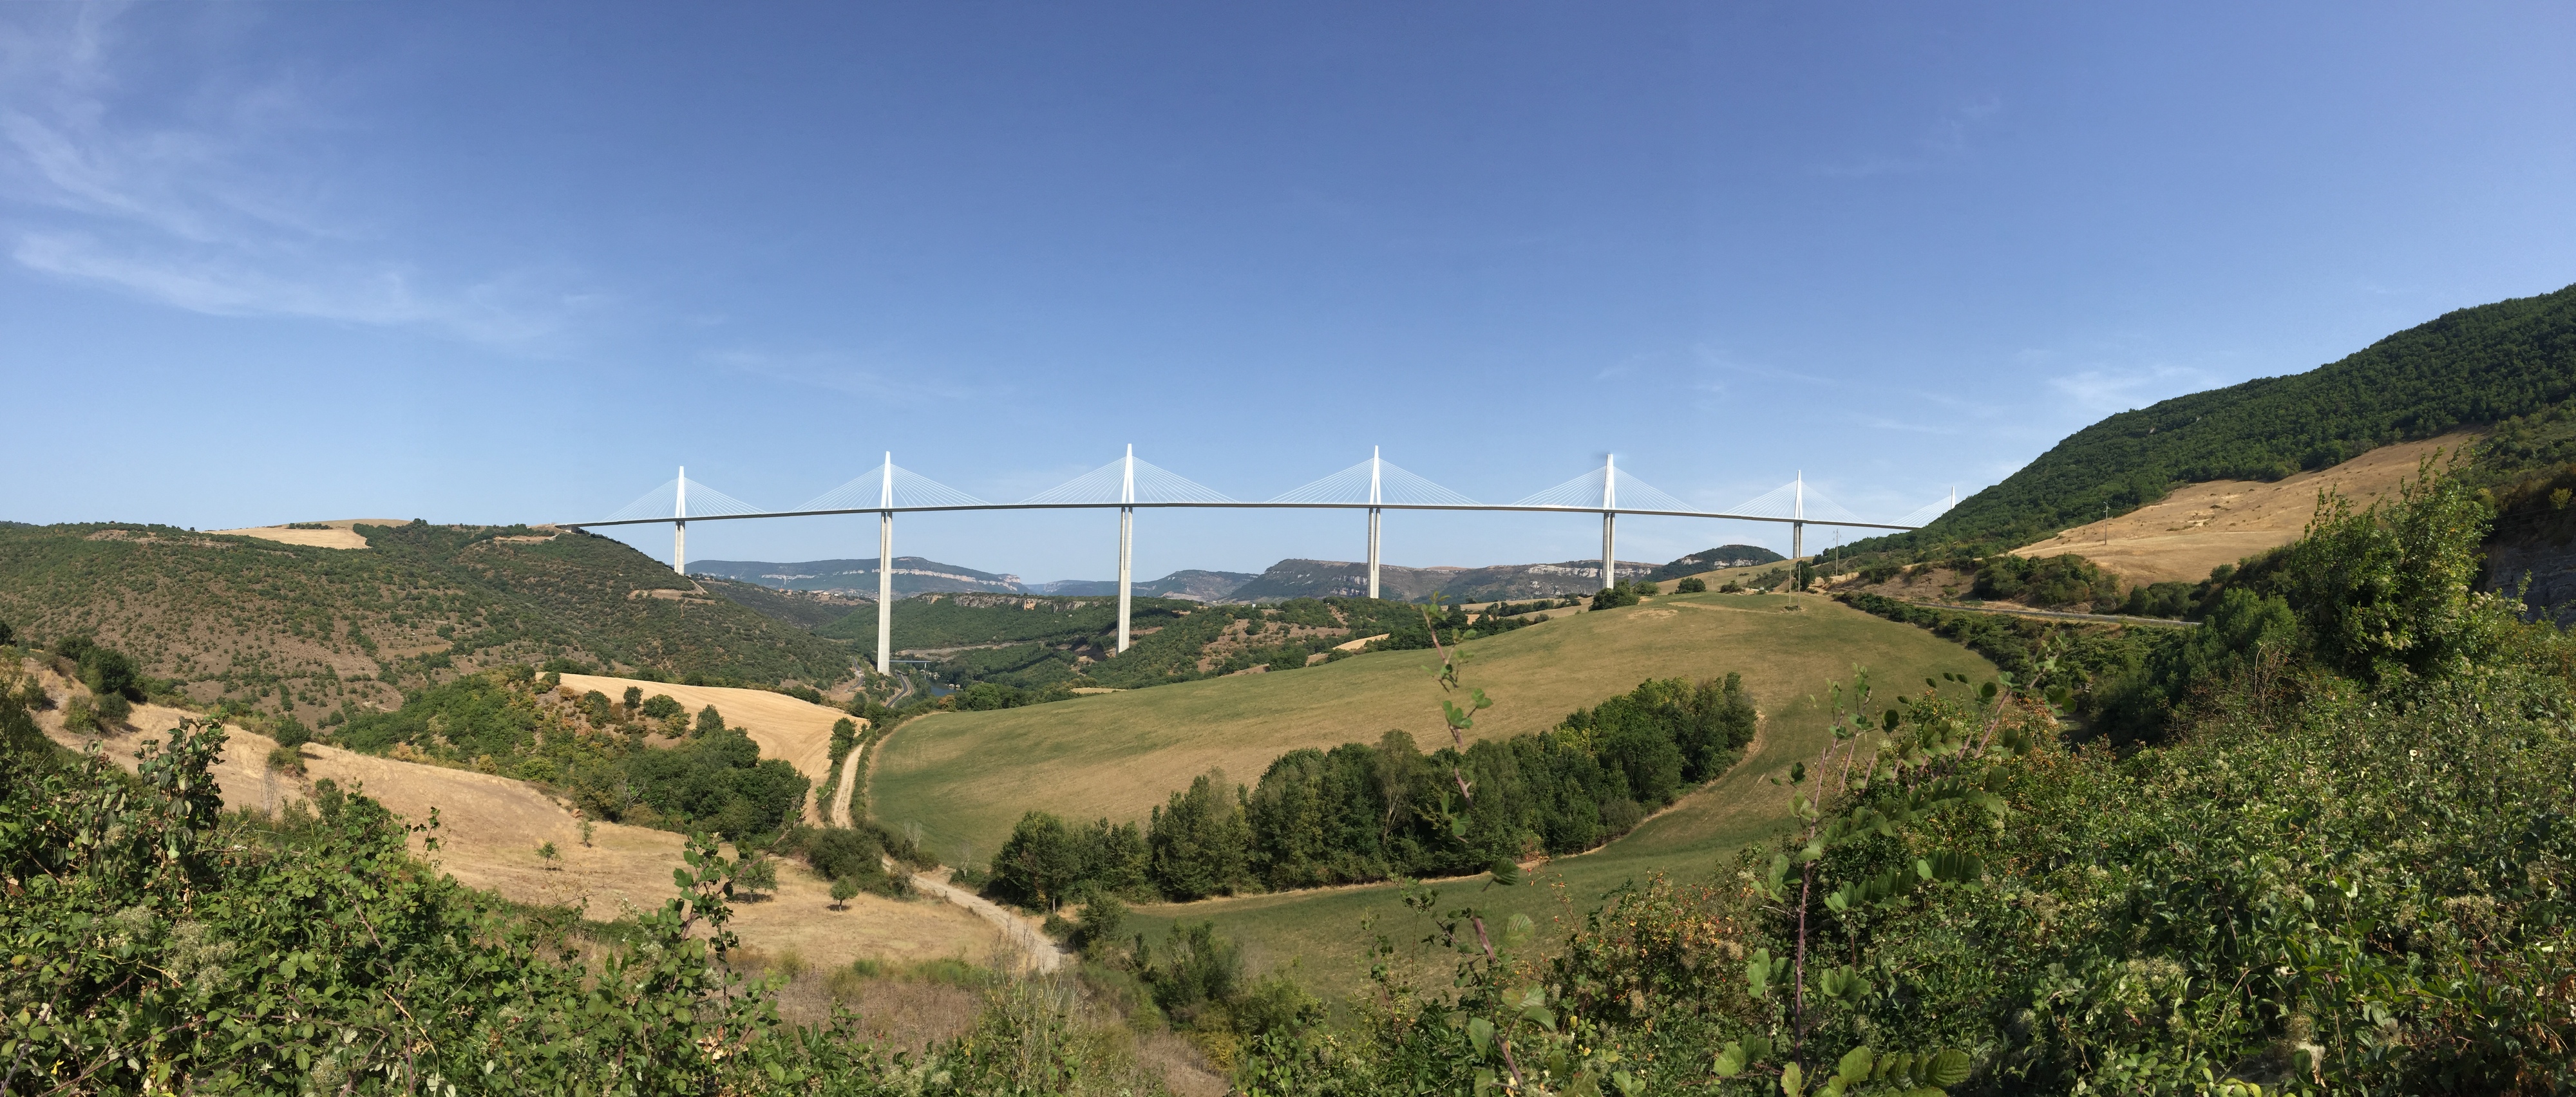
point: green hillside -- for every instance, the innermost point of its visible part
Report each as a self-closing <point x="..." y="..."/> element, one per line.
<point x="2475" y="366"/>
<point x="967" y="777"/>
<point x="295" y="629"/>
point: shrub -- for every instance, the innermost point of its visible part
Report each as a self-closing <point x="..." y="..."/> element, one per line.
<point x="290" y="732"/>
<point x="660" y="706"/>
<point x="287" y="759"/>
<point x="1692" y="585"/>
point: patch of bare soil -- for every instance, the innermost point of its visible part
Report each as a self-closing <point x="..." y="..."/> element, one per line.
<point x="490" y="829"/>
<point x="334" y="535"/>
<point x="2183" y="536"/>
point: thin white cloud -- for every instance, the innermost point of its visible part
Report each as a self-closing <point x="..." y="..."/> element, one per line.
<point x="836" y="371"/>
<point x="2102" y="391"/>
<point x="216" y="213"/>
<point x="1943" y="142"/>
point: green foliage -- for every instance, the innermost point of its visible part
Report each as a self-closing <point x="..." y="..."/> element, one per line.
<point x="660" y="706"/>
<point x="2048" y="581"/>
<point x="1620" y="594"/>
<point x="1723" y="556"/>
<point x="1045" y="863"/>
<point x="493" y="722"/>
<point x="1199" y="843"/>
<point x="156" y="945"/>
<point x="1362" y="812"/>
<point x="1691" y="585"/>
<point x="298" y="629"/>
<point x="2387" y="589"/>
<point x="2486" y="364"/>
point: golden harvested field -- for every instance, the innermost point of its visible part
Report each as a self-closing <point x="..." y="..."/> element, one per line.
<point x="2200" y="526"/>
<point x="490" y="828"/>
<point x="339" y="536"/>
<point x="967" y="777"/>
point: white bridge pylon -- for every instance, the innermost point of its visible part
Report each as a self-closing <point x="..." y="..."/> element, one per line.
<point x="1375" y="485"/>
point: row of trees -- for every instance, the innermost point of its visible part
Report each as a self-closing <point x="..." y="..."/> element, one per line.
<point x="1363" y="811"/>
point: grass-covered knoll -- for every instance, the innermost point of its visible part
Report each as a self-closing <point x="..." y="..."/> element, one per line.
<point x="967" y="777"/>
<point x="296" y="629"/>
<point x="2477" y="365"/>
<point x="1365" y="812"/>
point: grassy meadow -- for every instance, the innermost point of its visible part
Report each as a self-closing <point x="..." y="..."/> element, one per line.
<point x="965" y="778"/>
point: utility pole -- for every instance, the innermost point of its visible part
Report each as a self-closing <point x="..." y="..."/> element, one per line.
<point x="885" y="570"/>
<point x="680" y="528"/>
<point x="1126" y="540"/>
<point x="1609" y="522"/>
<point x="1373" y="520"/>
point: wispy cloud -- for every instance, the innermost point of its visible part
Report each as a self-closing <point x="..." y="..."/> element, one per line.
<point x="1944" y="141"/>
<point x="214" y="212"/>
<point x="2102" y="391"/>
<point x="871" y="376"/>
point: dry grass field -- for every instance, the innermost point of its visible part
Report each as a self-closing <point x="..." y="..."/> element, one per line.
<point x="967" y="777"/>
<point x="490" y="828"/>
<point x="338" y="536"/>
<point x="2201" y="526"/>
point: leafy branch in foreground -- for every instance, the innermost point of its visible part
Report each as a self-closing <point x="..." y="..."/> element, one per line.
<point x="1923" y="758"/>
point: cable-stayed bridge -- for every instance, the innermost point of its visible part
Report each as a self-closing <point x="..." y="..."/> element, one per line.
<point x="1128" y="484"/>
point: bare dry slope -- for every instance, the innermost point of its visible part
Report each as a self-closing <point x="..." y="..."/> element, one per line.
<point x="338" y="535"/>
<point x="490" y="828"/>
<point x="2204" y="525"/>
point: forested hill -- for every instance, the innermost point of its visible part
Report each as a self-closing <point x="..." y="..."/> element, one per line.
<point x="290" y="628"/>
<point x="2471" y="367"/>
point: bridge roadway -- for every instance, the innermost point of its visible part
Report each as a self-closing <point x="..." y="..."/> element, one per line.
<point x="1127" y="504"/>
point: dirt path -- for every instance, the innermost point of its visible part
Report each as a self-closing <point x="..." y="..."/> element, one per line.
<point x="1020" y="931"/>
<point x="848" y="788"/>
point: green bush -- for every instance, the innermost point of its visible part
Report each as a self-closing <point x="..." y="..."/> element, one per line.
<point x="1692" y="585"/>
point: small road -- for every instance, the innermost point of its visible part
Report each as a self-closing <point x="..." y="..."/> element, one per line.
<point x="2024" y="611"/>
<point x="1042" y="954"/>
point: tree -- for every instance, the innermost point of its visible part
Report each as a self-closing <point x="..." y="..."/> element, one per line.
<point x="843" y="890"/>
<point x="547" y="852"/>
<point x="2390" y="589"/>
<point x="1199" y="841"/>
<point x="661" y="707"/>
<point x="709" y="720"/>
<point x="1692" y="585"/>
<point x="634" y="697"/>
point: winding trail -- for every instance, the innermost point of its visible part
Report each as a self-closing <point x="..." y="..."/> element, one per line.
<point x="1044" y="956"/>
<point x="843" y="793"/>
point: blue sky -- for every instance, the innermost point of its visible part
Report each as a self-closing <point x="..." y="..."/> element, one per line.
<point x="504" y="262"/>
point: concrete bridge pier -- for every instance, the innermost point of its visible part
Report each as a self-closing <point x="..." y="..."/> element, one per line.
<point x="885" y="571"/>
<point x="1126" y="542"/>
